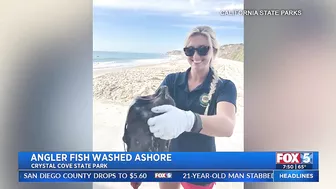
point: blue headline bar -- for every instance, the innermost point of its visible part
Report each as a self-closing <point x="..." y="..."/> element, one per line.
<point x="167" y="161"/>
<point x="166" y="176"/>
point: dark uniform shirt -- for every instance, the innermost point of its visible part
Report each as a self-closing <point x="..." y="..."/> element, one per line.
<point x="196" y="101"/>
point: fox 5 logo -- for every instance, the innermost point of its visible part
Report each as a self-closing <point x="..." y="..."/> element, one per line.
<point x="306" y="158"/>
<point x="163" y="175"/>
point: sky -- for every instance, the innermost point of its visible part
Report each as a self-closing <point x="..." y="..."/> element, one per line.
<point x="158" y="26"/>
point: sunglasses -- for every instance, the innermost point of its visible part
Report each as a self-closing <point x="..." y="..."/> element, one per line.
<point x="202" y="50"/>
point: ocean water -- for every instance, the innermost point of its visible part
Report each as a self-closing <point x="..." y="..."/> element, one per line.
<point x="104" y="59"/>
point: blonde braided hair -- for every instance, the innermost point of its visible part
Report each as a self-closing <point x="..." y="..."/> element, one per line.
<point x="210" y="34"/>
<point x="213" y="86"/>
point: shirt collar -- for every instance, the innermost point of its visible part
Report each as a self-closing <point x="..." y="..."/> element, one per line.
<point x="183" y="80"/>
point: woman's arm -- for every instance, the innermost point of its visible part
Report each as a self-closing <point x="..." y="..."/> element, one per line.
<point x="221" y="124"/>
<point x="174" y="121"/>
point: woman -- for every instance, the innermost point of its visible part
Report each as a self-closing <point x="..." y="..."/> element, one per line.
<point x="205" y="103"/>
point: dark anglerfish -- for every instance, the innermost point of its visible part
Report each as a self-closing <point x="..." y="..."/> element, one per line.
<point x="137" y="135"/>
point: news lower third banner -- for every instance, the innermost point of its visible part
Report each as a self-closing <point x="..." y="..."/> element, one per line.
<point x="168" y="167"/>
<point x="172" y="176"/>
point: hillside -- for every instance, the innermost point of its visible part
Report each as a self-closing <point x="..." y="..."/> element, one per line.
<point x="230" y="51"/>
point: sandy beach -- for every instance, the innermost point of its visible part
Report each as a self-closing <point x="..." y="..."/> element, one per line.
<point x="115" y="88"/>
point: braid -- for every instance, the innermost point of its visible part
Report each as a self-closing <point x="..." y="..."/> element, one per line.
<point x="213" y="85"/>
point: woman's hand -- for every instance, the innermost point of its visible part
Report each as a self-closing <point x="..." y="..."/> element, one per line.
<point x="174" y="122"/>
<point x="171" y="123"/>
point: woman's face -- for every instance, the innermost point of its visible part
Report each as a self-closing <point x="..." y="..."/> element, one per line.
<point x="199" y="60"/>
